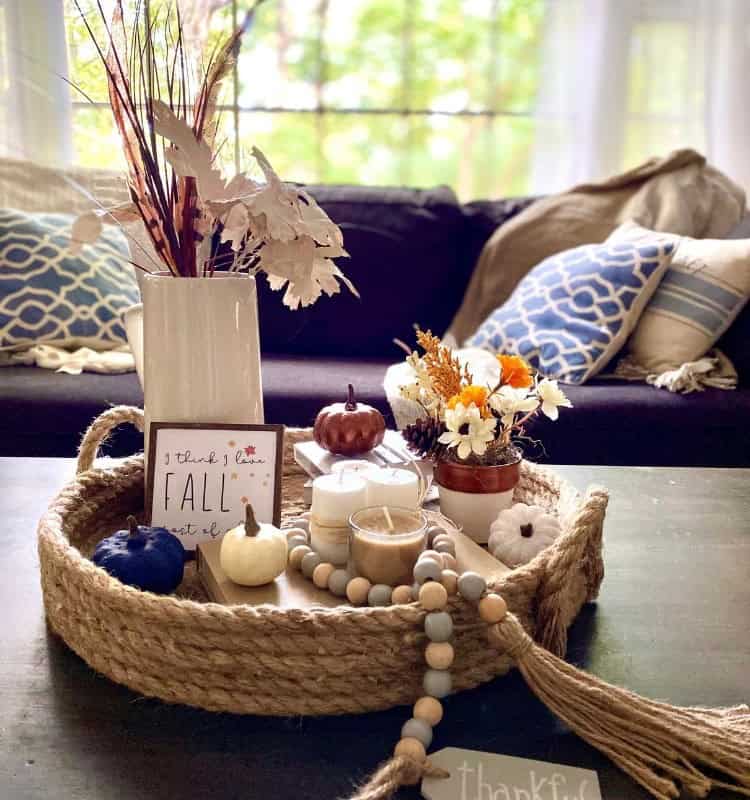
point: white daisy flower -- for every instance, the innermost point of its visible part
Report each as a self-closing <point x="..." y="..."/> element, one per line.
<point x="467" y="430"/>
<point x="552" y="398"/>
<point x="508" y="402"/>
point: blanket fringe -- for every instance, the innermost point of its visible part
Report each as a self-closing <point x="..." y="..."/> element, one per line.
<point x="693" y="376"/>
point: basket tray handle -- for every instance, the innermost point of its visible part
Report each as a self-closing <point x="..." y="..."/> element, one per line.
<point x="101" y="428"/>
<point x="582" y="551"/>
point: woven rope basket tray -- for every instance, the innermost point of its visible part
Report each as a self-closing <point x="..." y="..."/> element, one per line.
<point x="264" y="660"/>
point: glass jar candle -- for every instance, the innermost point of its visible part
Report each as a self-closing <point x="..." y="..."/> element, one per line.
<point x="386" y="542"/>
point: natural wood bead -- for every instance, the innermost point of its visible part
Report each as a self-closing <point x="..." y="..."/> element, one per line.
<point x="321" y="574"/>
<point x="439" y="655"/>
<point x="449" y="579"/>
<point x="411" y="748"/>
<point x="449" y="561"/>
<point x="492" y="608"/>
<point x="290" y="532"/>
<point x="357" y="590"/>
<point x="433" y="596"/>
<point x="296" y="555"/>
<point x="430" y="709"/>
<point x="401" y="595"/>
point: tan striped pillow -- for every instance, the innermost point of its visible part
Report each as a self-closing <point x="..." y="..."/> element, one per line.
<point x="701" y="293"/>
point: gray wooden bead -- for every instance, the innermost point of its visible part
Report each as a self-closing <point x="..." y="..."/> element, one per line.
<point x="437" y="682"/>
<point x="471" y="586"/>
<point x="294" y="541"/>
<point x="427" y="570"/>
<point x="309" y="562"/>
<point x="415" y="587"/>
<point x="433" y="531"/>
<point x="338" y="580"/>
<point x="299" y="522"/>
<point x="380" y="595"/>
<point x="417" y="729"/>
<point x="438" y="625"/>
<point x="446" y="547"/>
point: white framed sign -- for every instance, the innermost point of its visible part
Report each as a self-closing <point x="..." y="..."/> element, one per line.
<point x="201" y="476"/>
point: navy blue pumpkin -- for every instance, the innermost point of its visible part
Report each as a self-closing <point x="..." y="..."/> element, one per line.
<point x="151" y="559"/>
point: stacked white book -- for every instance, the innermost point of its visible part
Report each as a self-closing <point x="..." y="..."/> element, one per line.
<point x="393" y="452"/>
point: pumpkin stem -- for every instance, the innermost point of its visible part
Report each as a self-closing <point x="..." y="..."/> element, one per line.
<point x="251" y="525"/>
<point x="527" y="530"/>
<point x="132" y="525"/>
<point x="351" y="403"/>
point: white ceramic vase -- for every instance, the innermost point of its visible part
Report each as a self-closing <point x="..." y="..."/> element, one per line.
<point x="197" y="349"/>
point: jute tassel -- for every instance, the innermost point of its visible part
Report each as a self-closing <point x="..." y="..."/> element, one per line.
<point x="394" y="773"/>
<point x="657" y="744"/>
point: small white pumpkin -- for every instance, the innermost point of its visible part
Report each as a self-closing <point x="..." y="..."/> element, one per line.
<point x="253" y="554"/>
<point x="520" y="532"/>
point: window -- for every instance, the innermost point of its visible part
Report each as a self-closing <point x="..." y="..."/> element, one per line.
<point x="413" y="92"/>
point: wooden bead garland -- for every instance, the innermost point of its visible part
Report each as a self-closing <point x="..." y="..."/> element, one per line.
<point x="435" y="579"/>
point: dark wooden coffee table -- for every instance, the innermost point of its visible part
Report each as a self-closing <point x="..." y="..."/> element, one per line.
<point x="672" y="622"/>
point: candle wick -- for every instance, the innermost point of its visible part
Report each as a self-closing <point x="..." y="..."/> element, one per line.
<point x="388" y="520"/>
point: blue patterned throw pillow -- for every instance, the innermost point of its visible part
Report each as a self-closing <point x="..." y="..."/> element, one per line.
<point x="49" y="295"/>
<point x="572" y="313"/>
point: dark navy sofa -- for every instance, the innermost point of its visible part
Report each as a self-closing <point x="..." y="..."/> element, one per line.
<point x="412" y="252"/>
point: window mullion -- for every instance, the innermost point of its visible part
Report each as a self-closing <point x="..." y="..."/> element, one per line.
<point x="235" y="108"/>
<point x="407" y="80"/>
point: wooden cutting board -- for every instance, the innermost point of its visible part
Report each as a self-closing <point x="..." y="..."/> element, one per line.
<point x="292" y="590"/>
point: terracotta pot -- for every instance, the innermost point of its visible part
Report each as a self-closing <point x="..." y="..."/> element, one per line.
<point x="473" y="496"/>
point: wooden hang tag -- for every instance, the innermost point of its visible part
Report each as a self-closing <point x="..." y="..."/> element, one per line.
<point x="486" y="776"/>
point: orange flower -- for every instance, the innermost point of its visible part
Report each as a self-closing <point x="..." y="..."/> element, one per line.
<point x="515" y="372"/>
<point x="470" y="394"/>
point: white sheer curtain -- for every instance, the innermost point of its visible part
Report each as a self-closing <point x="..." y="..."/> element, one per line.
<point x="35" y="109"/>
<point x="623" y="80"/>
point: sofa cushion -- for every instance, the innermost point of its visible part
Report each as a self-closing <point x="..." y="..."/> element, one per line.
<point x="43" y="413"/>
<point x="406" y="262"/>
<point x="624" y="423"/>
<point x="735" y="343"/>
<point x="572" y="313"/>
<point x="611" y="422"/>
<point x="484" y="217"/>
<point x="700" y="295"/>
<point x="49" y="295"/>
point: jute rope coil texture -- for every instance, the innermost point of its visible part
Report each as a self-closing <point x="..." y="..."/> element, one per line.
<point x="264" y="660"/>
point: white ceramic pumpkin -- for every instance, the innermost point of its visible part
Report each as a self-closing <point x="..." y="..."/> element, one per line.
<point x="520" y="532"/>
<point x="253" y="554"/>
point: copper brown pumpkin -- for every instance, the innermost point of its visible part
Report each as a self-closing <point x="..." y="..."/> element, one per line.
<point x="350" y="428"/>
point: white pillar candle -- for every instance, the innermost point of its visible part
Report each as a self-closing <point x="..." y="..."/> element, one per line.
<point x="334" y="499"/>
<point x="354" y="465"/>
<point x="393" y="487"/>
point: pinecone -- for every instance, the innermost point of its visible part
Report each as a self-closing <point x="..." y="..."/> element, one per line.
<point x="422" y="437"/>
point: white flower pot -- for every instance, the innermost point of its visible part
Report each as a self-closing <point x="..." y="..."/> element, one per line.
<point x="200" y="360"/>
<point x="473" y="496"/>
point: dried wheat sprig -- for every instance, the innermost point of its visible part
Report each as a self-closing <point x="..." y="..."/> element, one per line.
<point x="169" y="206"/>
<point x="446" y="373"/>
